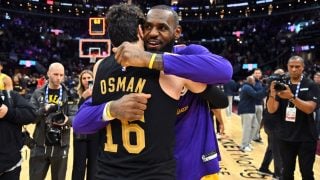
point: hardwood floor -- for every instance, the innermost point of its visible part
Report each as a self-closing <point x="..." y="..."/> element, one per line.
<point x="235" y="165"/>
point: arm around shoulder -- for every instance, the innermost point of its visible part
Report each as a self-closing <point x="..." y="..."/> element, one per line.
<point x="203" y="67"/>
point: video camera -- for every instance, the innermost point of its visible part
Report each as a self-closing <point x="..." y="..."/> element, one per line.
<point x="280" y="81"/>
<point x="53" y="131"/>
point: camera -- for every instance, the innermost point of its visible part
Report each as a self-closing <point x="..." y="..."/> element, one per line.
<point x="280" y="81"/>
<point x="53" y="135"/>
<point x="53" y="131"/>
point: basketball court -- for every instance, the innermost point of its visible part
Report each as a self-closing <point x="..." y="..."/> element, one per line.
<point x="235" y="164"/>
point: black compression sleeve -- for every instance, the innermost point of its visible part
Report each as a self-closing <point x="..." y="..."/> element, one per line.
<point x="216" y="98"/>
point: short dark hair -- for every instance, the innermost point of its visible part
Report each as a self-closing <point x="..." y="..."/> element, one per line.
<point x="168" y="8"/>
<point x="298" y="58"/>
<point x="123" y="21"/>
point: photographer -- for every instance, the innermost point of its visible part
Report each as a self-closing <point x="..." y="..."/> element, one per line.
<point x="296" y="105"/>
<point x="15" y="111"/>
<point x="52" y="132"/>
<point x="271" y="126"/>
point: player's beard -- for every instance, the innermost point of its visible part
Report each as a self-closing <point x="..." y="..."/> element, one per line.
<point x="167" y="48"/>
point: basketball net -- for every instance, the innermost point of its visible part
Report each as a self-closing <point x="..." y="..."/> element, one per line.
<point x="93" y="58"/>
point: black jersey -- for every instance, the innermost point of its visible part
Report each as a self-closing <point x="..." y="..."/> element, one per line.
<point x="140" y="149"/>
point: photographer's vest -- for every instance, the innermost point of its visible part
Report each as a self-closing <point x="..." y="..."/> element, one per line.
<point x="140" y="149"/>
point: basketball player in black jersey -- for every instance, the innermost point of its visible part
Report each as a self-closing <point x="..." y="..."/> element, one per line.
<point x="140" y="149"/>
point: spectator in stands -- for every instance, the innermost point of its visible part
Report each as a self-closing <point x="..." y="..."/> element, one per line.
<point x="41" y="81"/>
<point x="17" y="85"/>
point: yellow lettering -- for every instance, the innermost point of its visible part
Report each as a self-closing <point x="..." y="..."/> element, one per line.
<point x="109" y="145"/>
<point x="111" y="86"/>
<point x="53" y="98"/>
<point x="181" y="110"/>
<point x="140" y="85"/>
<point x="103" y="86"/>
<point x="121" y="84"/>
<point x="131" y="128"/>
<point x="130" y="85"/>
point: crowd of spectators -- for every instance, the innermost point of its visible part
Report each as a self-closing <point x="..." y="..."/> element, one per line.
<point x="265" y="40"/>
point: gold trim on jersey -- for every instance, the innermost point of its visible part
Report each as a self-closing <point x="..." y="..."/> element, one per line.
<point x="211" y="177"/>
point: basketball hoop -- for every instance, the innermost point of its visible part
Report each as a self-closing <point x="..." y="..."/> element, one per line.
<point x="93" y="58"/>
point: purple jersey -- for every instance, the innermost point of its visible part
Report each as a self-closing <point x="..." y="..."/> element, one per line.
<point x="196" y="147"/>
<point x="197" y="63"/>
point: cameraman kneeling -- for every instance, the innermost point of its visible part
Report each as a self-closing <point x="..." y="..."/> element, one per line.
<point x="15" y="111"/>
<point x="52" y="132"/>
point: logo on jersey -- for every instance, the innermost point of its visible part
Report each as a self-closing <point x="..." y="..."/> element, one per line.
<point x="181" y="110"/>
<point x="209" y="156"/>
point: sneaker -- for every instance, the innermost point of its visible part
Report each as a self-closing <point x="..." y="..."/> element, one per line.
<point x="218" y="136"/>
<point x="246" y="149"/>
<point x="265" y="172"/>
<point x="250" y="146"/>
<point x="258" y="141"/>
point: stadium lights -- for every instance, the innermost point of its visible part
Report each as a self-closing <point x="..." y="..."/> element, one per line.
<point x="66" y="4"/>
<point x="238" y="4"/>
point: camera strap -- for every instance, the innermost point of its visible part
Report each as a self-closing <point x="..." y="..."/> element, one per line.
<point x="291" y="112"/>
<point x="298" y="87"/>
<point x="60" y="96"/>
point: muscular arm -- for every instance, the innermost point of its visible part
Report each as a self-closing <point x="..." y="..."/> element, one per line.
<point x="196" y="63"/>
<point x="306" y="106"/>
<point x="192" y="62"/>
<point x="89" y="118"/>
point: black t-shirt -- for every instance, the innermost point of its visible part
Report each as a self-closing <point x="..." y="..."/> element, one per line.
<point x="303" y="129"/>
<point x="140" y="149"/>
<point x="53" y="96"/>
<point x="271" y="121"/>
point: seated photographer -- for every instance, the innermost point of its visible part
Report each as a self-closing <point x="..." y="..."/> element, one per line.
<point x="52" y="132"/>
<point x="15" y="111"/>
